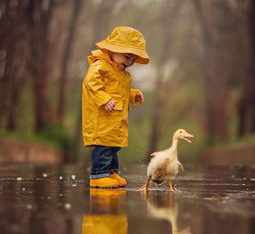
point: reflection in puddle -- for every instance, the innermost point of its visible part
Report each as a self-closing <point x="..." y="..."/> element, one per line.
<point x="105" y="213"/>
<point x="165" y="207"/>
<point x="208" y="202"/>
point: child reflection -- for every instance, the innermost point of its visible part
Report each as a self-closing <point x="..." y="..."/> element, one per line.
<point x="105" y="213"/>
<point x="164" y="206"/>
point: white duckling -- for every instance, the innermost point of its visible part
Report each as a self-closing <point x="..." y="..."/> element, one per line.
<point x="164" y="165"/>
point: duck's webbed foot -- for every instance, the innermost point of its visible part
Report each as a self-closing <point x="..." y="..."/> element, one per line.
<point x="175" y="189"/>
<point x="142" y="188"/>
<point x="145" y="187"/>
<point x="170" y="186"/>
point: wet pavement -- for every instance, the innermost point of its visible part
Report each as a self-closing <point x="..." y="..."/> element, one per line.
<point x="209" y="200"/>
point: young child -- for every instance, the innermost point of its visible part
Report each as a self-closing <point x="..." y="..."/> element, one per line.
<point x="106" y="95"/>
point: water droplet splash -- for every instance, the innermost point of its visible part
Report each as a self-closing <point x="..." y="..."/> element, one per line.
<point x="68" y="206"/>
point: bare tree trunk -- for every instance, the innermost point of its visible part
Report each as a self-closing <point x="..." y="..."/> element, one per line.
<point x="216" y="97"/>
<point x="247" y="101"/>
<point x="40" y="19"/>
<point x="216" y="65"/>
<point x="18" y="81"/>
<point x="13" y="46"/>
<point x="77" y="6"/>
<point x="251" y="82"/>
<point x="5" y="85"/>
<point x="6" y="56"/>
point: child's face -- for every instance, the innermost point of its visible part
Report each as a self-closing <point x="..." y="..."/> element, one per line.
<point x="124" y="60"/>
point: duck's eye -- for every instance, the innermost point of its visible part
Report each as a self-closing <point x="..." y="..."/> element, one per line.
<point x="181" y="131"/>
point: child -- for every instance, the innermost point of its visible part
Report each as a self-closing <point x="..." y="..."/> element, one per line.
<point x="106" y="95"/>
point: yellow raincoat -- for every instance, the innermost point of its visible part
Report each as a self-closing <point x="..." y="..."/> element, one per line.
<point x="103" y="82"/>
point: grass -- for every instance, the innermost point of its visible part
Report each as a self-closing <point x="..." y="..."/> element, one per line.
<point x="54" y="137"/>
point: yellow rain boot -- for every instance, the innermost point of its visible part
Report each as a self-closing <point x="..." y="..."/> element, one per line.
<point x="122" y="181"/>
<point x="105" y="182"/>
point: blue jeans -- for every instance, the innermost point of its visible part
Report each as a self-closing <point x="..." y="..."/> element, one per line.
<point x="104" y="160"/>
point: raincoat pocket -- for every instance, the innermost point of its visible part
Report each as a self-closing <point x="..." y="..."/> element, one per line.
<point x="109" y="123"/>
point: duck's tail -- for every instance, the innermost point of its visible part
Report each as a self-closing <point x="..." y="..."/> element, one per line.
<point x="153" y="154"/>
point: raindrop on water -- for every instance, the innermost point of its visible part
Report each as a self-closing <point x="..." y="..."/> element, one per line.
<point x="68" y="206"/>
<point x="19" y="178"/>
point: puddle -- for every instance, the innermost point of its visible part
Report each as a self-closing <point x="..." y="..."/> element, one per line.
<point x="57" y="200"/>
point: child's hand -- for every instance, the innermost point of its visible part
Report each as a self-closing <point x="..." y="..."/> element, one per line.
<point x="109" y="106"/>
<point x="139" y="97"/>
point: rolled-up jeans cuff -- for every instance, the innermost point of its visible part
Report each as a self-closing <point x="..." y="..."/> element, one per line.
<point x="97" y="176"/>
<point x="115" y="170"/>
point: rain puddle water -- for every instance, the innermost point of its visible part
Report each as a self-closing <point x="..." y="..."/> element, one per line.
<point x="57" y="200"/>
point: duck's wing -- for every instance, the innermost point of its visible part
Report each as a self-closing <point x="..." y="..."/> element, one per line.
<point x="158" y="153"/>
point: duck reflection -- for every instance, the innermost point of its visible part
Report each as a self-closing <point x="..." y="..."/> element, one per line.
<point x="164" y="206"/>
<point x="106" y="215"/>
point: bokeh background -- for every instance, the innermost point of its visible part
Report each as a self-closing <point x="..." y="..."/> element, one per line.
<point x="201" y="77"/>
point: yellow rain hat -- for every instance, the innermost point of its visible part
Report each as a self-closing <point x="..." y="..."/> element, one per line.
<point x="125" y="39"/>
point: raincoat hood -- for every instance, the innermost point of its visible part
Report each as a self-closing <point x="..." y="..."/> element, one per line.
<point x="125" y="39"/>
<point x="98" y="55"/>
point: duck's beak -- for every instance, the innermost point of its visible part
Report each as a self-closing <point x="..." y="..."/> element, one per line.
<point x="188" y="137"/>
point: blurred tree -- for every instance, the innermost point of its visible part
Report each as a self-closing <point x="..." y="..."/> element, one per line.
<point x="77" y="6"/>
<point x="13" y="53"/>
<point x="165" y="26"/>
<point x="218" y="24"/>
<point x="246" y="108"/>
<point x="40" y="16"/>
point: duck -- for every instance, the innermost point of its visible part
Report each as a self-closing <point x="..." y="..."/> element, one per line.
<point x="164" y="165"/>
